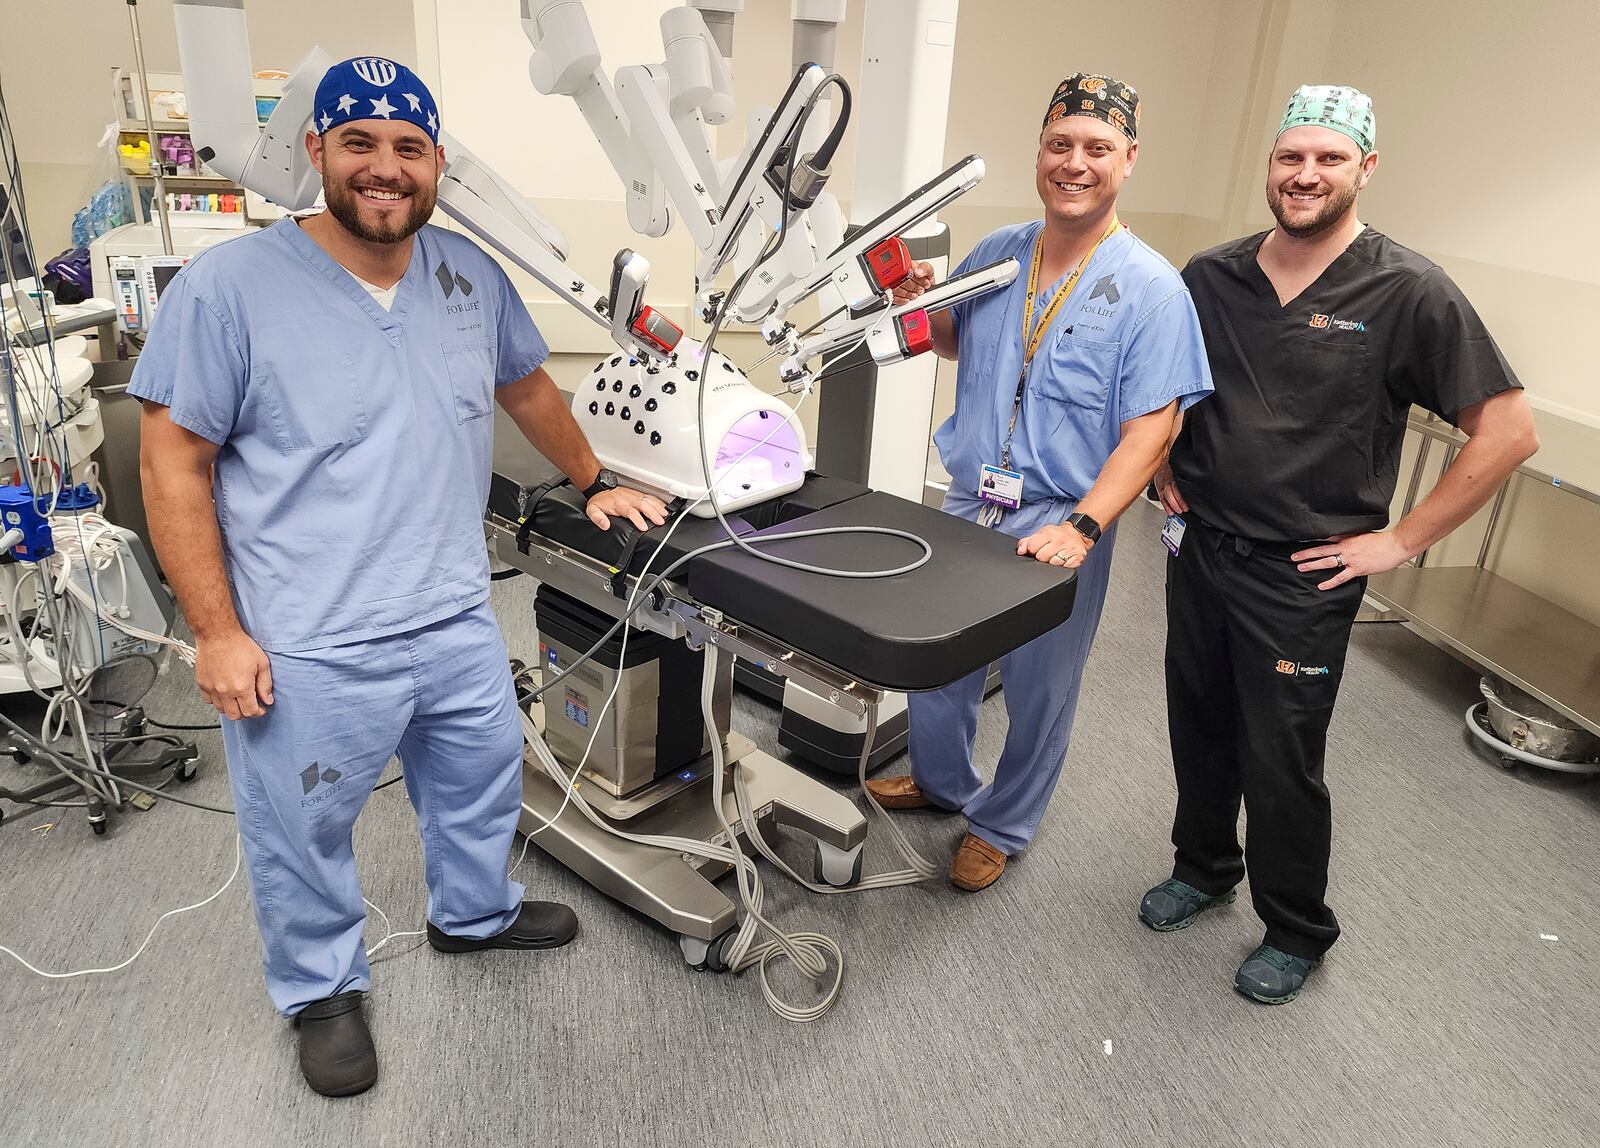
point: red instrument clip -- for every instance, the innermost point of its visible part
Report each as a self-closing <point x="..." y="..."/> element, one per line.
<point x="916" y="333"/>
<point x="654" y="328"/>
<point x="889" y="263"/>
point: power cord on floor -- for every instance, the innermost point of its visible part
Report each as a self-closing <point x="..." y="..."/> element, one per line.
<point x="388" y="930"/>
<point x="185" y="728"/>
<point x="71" y="765"/>
<point x="238" y="858"/>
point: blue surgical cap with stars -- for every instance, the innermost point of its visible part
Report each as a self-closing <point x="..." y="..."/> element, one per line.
<point x="372" y="88"/>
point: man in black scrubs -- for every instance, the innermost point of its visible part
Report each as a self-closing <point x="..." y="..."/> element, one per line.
<point x="1321" y="334"/>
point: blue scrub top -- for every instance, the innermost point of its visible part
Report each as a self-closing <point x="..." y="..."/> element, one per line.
<point x="1126" y="342"/>
<point x="356" y="443"/>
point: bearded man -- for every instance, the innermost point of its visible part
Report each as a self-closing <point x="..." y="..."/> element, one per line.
<point x="316" y="441"/>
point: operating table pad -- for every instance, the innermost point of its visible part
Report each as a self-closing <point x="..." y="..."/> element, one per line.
<point x="972" y="602"/>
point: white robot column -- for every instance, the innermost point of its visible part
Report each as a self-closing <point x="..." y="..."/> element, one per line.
<point x="874" y="423"/>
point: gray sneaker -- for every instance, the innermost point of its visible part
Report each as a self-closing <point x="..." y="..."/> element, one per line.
<point x="1174" y="905"/>
<point x="1273" y="976"/>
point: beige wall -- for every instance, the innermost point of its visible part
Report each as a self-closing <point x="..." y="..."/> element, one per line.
<point x="1505" y="204"/>
<point x="56" y="59"/>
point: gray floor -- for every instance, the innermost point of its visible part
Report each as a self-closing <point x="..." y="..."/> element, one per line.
<point x="1441" y="1018"/>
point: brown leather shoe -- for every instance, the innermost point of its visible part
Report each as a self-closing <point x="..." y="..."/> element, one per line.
<point x="898" y="793"/>
<point x="977" y="864"/>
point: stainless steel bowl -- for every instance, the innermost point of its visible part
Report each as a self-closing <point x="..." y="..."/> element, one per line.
<point x="1529" y="725"/>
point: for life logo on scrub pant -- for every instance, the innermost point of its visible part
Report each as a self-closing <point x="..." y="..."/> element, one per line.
<point x="312" y="777"/>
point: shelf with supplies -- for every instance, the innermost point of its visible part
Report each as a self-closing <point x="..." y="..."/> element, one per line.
<point x="1489" y="621"/>
<point x="209" y="181"/>
<point x="171" y="105"/>
<point x="215" y="200"/>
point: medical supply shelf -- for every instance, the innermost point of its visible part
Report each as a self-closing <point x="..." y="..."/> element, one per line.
<point x="131" y="126"/>
<point x="1489" y="621"/>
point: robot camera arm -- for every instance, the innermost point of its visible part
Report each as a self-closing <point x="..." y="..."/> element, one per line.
<point x="214" y="53"/>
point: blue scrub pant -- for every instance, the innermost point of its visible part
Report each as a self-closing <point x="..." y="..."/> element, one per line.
<point x="439" y="696"/>
<point x="1040" y="681"/>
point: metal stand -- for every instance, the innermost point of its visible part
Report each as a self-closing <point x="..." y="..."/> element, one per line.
<point x="183" y="758"/>
<point x="157" y="171"/>
<point x="1485" y="619"/>
<point x="675" y="889"/>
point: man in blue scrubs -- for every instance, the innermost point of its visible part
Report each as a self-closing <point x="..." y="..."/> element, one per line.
<point x="316" y="441"/>
<point x="1068" y="386"/>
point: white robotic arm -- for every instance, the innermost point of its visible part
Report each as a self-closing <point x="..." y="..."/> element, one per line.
<point x="652" y="125"/>
<point x="700" y="87"/>
<point x="566" y="62"/>
<point x="214" y="51"/>
<point x="851" y="267"/>
<point x="473" y="195"/>
<point x="900" y="331"/>
<point x="718" y="16"/>
<point x="656" y="137"/>
<point x="756" y="190"/>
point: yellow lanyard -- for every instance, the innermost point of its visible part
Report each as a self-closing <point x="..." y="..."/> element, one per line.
<point x="1032" y="335"/>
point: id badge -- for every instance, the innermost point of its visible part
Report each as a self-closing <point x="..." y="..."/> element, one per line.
<point x="1172" y="533"/>
<point x="1003" y="487"/>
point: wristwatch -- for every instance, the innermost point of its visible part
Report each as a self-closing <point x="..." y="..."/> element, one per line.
<point x="1085" y="526"/>
<point x="605" y="480"/>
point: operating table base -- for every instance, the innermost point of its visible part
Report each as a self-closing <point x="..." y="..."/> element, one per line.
<point x="675" y="888"/>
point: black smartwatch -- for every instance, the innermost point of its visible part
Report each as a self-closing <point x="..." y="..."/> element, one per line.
<point x="1085" y="526"/>
<point x="605" y="480"/>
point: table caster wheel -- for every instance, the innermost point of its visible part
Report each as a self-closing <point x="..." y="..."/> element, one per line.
<point x="1508" y="763"/>
<point x="840" y="868"/>
<point x="707" y="956"/>
<point x="188" y="770"/>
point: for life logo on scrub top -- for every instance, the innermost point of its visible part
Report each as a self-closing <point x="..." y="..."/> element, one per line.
<point x="1105" y="289"/>
<point x="458" y="290"/>
<point x="452" y="281"/>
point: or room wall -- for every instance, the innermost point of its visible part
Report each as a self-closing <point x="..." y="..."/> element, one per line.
<point x="56" y="60"/>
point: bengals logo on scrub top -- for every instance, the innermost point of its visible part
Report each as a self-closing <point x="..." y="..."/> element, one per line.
<point x="1319" y="321"/>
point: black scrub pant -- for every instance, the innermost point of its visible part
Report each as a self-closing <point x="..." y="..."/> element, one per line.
<point x="1255" y="654"/>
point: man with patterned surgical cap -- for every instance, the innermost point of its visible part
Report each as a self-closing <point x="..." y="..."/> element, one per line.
<point x="317" y="425"/>
<point x="1322" y="333"/>
<point x="1066" y="392"/>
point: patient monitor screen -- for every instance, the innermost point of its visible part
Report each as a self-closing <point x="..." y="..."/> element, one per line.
<point x="163" y="276"/>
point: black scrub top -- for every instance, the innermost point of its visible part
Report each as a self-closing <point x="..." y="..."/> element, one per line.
<point x="1302" y="438"/>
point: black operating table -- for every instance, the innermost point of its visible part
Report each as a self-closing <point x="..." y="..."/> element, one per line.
<point x="646" y="757"/>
